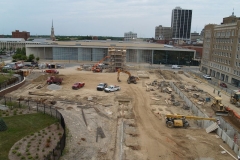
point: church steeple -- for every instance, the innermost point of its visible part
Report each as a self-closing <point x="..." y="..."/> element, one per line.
<point x="52" y="33"/>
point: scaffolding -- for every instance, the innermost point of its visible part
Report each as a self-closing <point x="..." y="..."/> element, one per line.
<point x="117" y="58"/>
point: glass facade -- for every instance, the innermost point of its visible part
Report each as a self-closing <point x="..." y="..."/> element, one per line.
<point x="173" y="57"/>
<point x="84" y="54"/>
<point x="65" y="53"/>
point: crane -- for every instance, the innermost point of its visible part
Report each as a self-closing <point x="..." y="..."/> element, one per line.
<point x="131" y="79"/>
<point x="95" y="67"/>
<point x="173" y="120"/>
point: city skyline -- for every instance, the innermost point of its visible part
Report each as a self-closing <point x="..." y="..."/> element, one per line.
<point x="106" y="18"/>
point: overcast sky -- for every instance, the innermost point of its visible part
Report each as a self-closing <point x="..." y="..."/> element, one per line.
<point x="106" y="17"/>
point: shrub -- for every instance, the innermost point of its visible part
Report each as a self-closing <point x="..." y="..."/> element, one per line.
<point x="48" y="140"/>
<point x="15" y="112"/>
<point x="28" y="153"/>
<point x="30" y="157"/>
<point x="19" y="154"/>
<point x="28" y="146"/>
<point x="16" y="148"/>
<point x="47" y="145"/>
<point x="22" y="158"/>
<point x="43" y="150"/>
<point x="27" y="150"/>
<point x="14" y="151"/>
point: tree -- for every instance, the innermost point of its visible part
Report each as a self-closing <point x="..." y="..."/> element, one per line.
<point x="31" y="57"/>
<point x="18" y="51"/>
<point x="3" y="126"/>
<point x="37" y="59"/>
<point x="23" y="51"/>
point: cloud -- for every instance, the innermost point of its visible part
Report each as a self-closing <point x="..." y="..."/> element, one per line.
<point x="106" y="17"/>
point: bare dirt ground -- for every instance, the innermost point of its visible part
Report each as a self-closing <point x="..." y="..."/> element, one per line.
<point x="127" y="124"/>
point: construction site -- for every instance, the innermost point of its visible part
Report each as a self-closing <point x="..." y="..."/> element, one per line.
<point x="153" y="114"/>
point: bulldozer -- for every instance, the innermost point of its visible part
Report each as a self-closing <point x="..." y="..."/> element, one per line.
<point x="175" y="120"/>
<point x="131" y="79"/>
<point x="235" y="98"/>
<point x="218" y="107"/>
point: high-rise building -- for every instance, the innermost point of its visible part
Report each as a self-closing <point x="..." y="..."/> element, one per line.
<point x="163" y="33"/>
<point x="52" y="33"/>
<point x="130" y="36"/>
<point x="221" y="50"/>
<point x="23" y="34"/>
<point x="181" y="24"/>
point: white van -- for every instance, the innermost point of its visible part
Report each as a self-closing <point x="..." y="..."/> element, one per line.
<point x="175" y="67"/>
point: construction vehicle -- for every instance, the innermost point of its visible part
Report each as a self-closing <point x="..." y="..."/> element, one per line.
<point x="218" y="107"/>
<point x="96" y="67"/>
<point x="55" y="80"/>
<point x="173" y="120"/>
<point x="131" y="79"/>
<point x="235" y="98"/>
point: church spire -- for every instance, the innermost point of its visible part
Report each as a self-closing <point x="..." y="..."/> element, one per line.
<point x="52" y="33"/>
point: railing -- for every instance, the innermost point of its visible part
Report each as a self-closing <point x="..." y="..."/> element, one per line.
<point x="45" y="109"/>
<point x="10" y="82"/>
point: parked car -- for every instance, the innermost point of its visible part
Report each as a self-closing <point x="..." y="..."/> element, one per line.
<point x="6" y="67"/>
<point x="51" y="71"/>
<point x="223" y="85"/>
<point x="207" y="77"/>
<point x="34" y="64"/>
<point x="54" y="79"/>
<point x="78" y="85"/>
<point x="175" y="67"/>
<point x="112" y="88"/>
<point x="28" y="65"/>
<point x="101" y="86"/>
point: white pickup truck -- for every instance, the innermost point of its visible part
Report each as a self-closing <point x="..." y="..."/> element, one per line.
<point x="175" y="67"/>
<point x="112" y="88"/>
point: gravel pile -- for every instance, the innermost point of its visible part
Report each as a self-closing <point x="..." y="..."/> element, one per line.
<point x="54" y="87"/>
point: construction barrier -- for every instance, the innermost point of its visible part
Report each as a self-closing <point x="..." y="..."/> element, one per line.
<point x="226" y="132"/>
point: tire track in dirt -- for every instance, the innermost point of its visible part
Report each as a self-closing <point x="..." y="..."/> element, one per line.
<point x="154" y="137"/>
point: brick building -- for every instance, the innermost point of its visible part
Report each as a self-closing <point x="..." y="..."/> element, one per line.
<point x="23" y="34"/>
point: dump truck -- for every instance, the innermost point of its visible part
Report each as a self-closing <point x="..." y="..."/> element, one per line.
<point x="218" y="107"/>
<point x="175" y="120"/>
<point x="54" y="80"/>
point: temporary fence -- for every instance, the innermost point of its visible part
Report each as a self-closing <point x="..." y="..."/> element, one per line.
<point x="45" y="109"/>
<point x="226" y="131"/>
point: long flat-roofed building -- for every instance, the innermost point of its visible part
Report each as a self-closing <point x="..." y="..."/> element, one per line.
<point x="221" y="50"/>
<point x="91" y="50"/>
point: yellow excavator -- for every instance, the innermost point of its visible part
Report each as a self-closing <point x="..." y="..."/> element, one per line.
<point x="131" y="79"/>
<point x="218" y="107"/>
<point x="173" y="120"/>
<point x="235" y="98"/>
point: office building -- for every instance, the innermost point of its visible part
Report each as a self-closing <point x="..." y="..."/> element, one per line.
<point x="221" y="50"/>
<point x="163" y="33"/>
<point x="181" y="24"/>
<point x="130" y="36"/>
<point x="23" y="34"/>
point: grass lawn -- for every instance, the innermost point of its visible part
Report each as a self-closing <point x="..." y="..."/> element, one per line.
<point x="19" y="127"/>
<point x="4" y="77"/>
